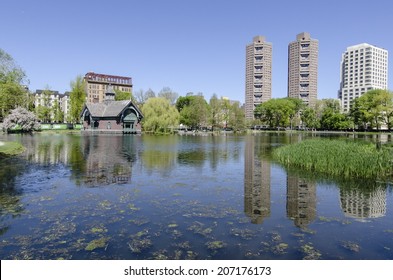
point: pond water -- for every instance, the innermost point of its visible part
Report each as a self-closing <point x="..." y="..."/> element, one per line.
<point x="71" y="196"/>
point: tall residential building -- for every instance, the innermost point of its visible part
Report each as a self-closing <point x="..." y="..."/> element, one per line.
<point x="363" y="67"/>
<point x="303" y="69"/>
<point x="258" y="74"/>
<point x="96" y="85"/>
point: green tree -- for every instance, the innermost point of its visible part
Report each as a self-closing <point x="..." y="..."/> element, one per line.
<point x="309" y="118"/>
<point x="373" y="109"/>
<point x="237" y="119"/>
<point x="124" y="95"/>
<point x="12" y="91"/>
<point x="215" y="110"/>
<point x="277" y="112"/>
<point x="10" y="72"/>
<point x="77" y="98"/>
<point x="58" y="114"/>
<point x="159" y="115"/>
<point x="44" y="109"/>
<point x="193" y="110"/>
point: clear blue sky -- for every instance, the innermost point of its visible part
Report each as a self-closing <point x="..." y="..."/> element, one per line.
<point x="195" y="45"/>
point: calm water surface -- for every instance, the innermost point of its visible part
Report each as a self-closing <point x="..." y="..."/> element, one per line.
<point x="182" y="197"/>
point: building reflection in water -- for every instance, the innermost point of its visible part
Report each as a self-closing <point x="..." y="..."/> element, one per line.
<point x="256" y="182"/>
<point x="362" y="203"/>
<point x="106" y="163"/>
<point x="301" y="200"/>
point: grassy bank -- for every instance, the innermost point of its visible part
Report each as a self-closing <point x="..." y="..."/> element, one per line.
<point x="10" y="148"/>
<point x="348" y="159"/>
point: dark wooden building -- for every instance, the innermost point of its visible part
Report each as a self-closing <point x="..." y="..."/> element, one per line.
<point x="112" y="116"/>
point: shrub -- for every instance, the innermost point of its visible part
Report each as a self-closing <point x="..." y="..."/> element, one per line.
<point x="21" y="119"/>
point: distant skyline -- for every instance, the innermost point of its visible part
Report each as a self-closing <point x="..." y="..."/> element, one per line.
<point x="197" y="46"/>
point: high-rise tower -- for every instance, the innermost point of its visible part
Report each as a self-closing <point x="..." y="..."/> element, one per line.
<point x="363" y="67"/>
<point x="303" y="68"/>
<point x="258" y="74"/>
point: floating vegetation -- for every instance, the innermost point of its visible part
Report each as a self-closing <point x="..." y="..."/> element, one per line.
<point x="310" y="252"/>
<point x="183" y="245"/>
<point x="97" y="243"/>
<point x="105" y="204"/>
<point x="199" y="228"/>
<point x="308" y="231"/>
<point x="351" y="246"/>
<point x="215" y="245"/>
<point x="344" y="159"/>
<point x="139" y="221"/>
<point x="245" y="234"/>
<point x="388" y="230"/>
<point x="160" y="255"/>
<point x="280" y="248"/>
<point x="99" y="229"/>
<point x="191" y="255"/>
<point x="132" y="207"/>
<point x="138" y="245"/>
<point x="173" y="225"/>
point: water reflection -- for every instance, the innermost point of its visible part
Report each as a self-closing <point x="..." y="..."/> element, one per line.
<point x="104" y="160"/>
<point x="363" y="203"/>
<point x="182" y="197"/>
<point x="256" y="181"/>
<point x="301" y="200"/>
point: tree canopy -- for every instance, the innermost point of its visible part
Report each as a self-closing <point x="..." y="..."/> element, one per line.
<point x="159" y="115"/>
<point x="77" y="99"/>
<point x="12" y="91"/>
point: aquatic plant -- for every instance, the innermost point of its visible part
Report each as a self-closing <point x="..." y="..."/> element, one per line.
<point x="11" y="148"/>
<point x="339" y="158"/>
<point x="96" y="243"/>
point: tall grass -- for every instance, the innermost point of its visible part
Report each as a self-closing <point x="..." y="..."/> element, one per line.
<point x="341" y="158"/>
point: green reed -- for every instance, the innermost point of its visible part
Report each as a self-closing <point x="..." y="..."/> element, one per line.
<point x="341" y="158"/>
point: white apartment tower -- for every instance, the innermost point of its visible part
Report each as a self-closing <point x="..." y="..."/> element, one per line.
<point x="364" y="67"/>
<point x="303" y="68"/>
<point x="258" y="74"/>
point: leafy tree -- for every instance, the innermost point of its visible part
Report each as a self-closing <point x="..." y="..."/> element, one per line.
<point x="159" y="115"/>
<point x="12" y="91"/>
<point x="332" y="119"/>
<point x="58" y="114"/>
<point x="373" y="108"/>
<point x="10" y="72"/>
<point x="77" y="98"/>
<point x="237" y="119"/>
<point x="309" y="118"/>
<point x="297" y="107"/>
<point x="193" y="110"/>
<point x="12" y="95"/>
<point x="215" y="110"/>
<point x="44" y="109"/>
<point x="277" y="112"/>
<point x="123" y="95"/>
<point x="167" y="93"/>
<point x="25" y="119"/>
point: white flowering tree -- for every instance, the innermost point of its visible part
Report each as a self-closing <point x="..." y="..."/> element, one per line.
<point x="21" y="119"/>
